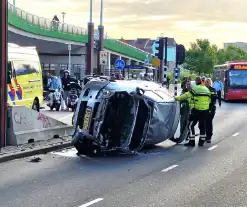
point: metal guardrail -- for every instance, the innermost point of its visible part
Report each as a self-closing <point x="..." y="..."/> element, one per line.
<point x="50" y="25"/>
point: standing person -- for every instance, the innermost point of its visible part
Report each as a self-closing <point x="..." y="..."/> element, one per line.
<point x="218" y="86"/>
<point x="185" y="111"/>
<point x="200" y="96"/>
<point x="203" y="80"/>
<point x="113" y="76"/>
<point x="183" y="84"/>
<point x="168" y="82"/>
<point x="65" y="85"/>
<point x="212" y="110"/>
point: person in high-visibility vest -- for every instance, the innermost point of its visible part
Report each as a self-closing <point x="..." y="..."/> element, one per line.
<point x="201" y="97"/>
<point x="212" y="110"/>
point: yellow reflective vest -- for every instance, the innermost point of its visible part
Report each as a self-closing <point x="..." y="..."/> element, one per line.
<point x="200" y="97"/>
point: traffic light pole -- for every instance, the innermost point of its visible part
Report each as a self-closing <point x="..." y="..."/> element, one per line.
<point x="176" y="79"/>
<point x="161" y="71"/>
<point x="3" y="62"/>
<point x="180" y="58"/>
<point x="165" y="61"/>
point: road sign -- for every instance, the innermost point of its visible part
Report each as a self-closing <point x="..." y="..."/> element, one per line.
<point x="128" y="62"/>
<point x="119" y="64"/>
<point x="146" y="60"/>
<point x="155" y="62"/>
<point x="103" y="57"/>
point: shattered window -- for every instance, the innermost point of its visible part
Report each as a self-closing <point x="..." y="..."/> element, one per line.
<point x="163" y="94"/>
<point x="153" y="95"/>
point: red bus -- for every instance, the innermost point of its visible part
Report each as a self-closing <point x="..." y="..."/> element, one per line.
<point x="233" y="75"/>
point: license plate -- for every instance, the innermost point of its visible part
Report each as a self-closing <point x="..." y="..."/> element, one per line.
<point x="87" y="117"/>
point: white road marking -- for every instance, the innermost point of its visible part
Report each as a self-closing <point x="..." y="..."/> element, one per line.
<point x="213" y="147"/>
<point x="236" y="134"/>
<point x="67" y="153"/>
<point x="92" y="202"/>
<point x="65" y="117"/>
<point x="169" y="168"/>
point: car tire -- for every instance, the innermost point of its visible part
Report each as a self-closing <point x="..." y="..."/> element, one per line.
<point x="57" y="107"/>
<point x="36" y="104"/>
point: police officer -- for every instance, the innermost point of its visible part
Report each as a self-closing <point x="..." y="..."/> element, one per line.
<point x="212" y="110"/>
<point x="200" y="96"/>
<point x="185" y="111"/>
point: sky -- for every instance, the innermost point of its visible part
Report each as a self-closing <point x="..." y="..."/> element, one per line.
<point x="185" y="20"/>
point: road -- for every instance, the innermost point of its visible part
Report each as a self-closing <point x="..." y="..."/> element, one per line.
<point x="63" y="116"/>
<point x="167" y="175"/>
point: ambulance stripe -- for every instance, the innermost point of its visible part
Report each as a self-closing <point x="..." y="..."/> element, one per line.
<point x="19" y="95"/>
<point x="12" y="98"/>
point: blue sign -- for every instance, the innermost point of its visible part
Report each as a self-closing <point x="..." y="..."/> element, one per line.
<point x="135" y="67"/>
<point x="119" y="64"/>
<point x="147" y="60"/>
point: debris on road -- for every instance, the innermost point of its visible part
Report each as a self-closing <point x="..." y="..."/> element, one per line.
<point x="36" y="159"/>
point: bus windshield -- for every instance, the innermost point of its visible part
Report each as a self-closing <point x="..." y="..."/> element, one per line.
<point x="238" y="78"/>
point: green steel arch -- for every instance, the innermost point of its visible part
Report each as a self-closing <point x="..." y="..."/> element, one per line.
<point x="25" y="21"/>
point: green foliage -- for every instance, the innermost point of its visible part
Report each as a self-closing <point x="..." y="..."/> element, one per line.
<point x="185" y="73"/>
<point x="202" y="56"/>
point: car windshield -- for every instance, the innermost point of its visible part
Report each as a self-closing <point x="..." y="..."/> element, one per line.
<point x="238" y="79"/>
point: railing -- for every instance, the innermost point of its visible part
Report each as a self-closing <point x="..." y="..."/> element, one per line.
<point x="78" y="33"/>
<point x="47" y="23"/>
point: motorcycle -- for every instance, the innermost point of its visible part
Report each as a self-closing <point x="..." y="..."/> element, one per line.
<point x="73" y="95"/>
<point x="55" y="99"/>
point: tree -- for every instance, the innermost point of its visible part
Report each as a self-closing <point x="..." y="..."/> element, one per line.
<point x="201" y="57"/>
<point x="231" y="53"/>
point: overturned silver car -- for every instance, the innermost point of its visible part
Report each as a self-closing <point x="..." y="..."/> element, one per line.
<point x="123" y="116"/>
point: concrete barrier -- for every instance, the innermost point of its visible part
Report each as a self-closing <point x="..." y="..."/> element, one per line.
<point x="26" y="125"/>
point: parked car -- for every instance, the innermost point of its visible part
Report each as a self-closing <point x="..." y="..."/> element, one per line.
<point x="123" y="116"/>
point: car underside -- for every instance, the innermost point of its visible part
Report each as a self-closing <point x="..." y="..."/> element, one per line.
<point x="119" y="123"/>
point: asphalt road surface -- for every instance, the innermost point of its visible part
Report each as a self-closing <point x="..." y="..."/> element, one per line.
<point x="167" y="175"/>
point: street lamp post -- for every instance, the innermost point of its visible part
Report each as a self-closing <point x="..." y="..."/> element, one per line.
<point x="90" y="44"/>
<point x="3" y="75"/>
<point x="14" y="5"/>
<point x="69" y="66"/>
<point x="63" y="13"/>
<point x="101" y="37"/>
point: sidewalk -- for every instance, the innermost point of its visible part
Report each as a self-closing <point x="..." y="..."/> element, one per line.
<point x="15" y="152"/>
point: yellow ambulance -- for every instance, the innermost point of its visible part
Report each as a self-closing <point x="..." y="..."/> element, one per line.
<point x="24" y="77"/>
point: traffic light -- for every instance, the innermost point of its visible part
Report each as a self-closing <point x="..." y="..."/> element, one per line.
<point x="160" y="48"/>
<point x="180" y="54"/>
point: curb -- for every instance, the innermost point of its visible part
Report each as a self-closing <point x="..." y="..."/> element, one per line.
<point x="38" y="151"/>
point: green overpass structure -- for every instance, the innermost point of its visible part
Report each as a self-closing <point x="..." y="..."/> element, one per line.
<point x="33" y="24"/>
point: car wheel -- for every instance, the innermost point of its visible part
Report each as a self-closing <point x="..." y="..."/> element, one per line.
<point x="36" y="105"/>
<point x="57" y="107"/>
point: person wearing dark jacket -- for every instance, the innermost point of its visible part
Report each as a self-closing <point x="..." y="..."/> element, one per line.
<point x="65" y="85"/>
<point x="212" y="110"/>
